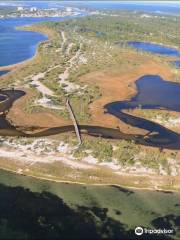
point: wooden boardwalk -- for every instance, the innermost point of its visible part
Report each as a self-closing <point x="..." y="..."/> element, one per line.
<point x="74" y="121"/>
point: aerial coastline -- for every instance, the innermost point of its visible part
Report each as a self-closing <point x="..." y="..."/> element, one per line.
<point x="105" y="80"/>
<point x="89" y="119"/>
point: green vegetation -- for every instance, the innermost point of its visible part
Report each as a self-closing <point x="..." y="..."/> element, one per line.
<point x="99" y="148"/>
<point x="97" y="34"/>
<point x="129" y="26"/>
<point x="126" y="153"/>
<point x="153" y="114"/>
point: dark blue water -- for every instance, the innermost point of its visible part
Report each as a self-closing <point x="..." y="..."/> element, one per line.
<point x="155" y="48"/>
<point x="3" y="72"/>
<point x="17" y="45"/>
<point x="153" y="92"/>
<point x="2" y="97"/>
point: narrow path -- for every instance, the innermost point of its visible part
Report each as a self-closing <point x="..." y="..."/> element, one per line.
<point x="64" y="39"/>
<point x="63" y="77"/>
<point x="69" y="48"/>
<point x="40" y="86"/>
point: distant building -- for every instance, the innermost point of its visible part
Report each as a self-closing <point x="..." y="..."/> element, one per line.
<point x="146" y="16"/>
<point x="33" y="9"/>
<point x="20" y="8"/>
<point x="68" y="9"/>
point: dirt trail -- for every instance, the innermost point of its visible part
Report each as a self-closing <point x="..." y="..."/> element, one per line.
<point x="64" y="39"/>
<point x="40" y="86"/>
<point x="69" y="48"/>
<point x="63" y="77"/>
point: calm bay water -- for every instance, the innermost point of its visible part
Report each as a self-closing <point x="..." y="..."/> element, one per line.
<point x="16" y="45"/>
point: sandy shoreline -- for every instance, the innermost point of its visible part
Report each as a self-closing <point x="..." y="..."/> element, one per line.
<point x="89" y="184"/>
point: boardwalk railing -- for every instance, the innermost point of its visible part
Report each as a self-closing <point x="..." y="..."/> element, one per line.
<point x="74" y="121"/>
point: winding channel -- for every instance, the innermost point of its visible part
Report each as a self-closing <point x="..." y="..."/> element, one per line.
<point x="152" y="93"/>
